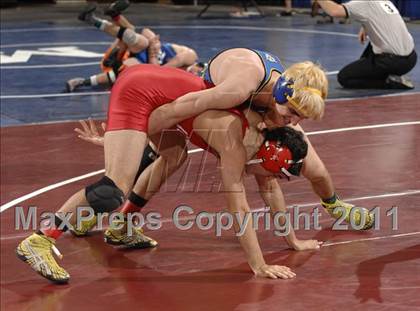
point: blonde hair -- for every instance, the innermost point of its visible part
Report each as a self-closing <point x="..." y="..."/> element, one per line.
<point x="310" y="89"/>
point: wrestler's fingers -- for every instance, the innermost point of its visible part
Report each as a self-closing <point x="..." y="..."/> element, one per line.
<point x="93" y="127"/>
<point x="84" y="125"/>
<point x="79" y="131"/>
<point x="88" y="139"/>
<point x="271" y="275"/>
<point x="284" y="275"/>
<point x="284" y="272"/>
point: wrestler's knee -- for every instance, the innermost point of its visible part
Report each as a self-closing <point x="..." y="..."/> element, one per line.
<point x="104" y="195"/>
<point x="134" y="41"/>
<point x="141" y="43"/>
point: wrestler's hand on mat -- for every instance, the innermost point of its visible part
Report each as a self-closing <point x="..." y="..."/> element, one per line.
<point x="274" y="272"/>
<point x="303" y="245"/>
<point x="90" y="132"/>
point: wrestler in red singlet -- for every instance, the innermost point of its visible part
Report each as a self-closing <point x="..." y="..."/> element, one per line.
<point x="142" y="88"/>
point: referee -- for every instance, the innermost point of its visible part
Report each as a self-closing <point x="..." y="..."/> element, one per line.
<point x="390" y="53"/>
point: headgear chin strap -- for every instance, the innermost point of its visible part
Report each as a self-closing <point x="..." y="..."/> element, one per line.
<point x="276" y="158"/>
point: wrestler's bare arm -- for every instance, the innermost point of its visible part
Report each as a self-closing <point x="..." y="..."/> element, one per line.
<point x="184" y="57"/>
<point x="230" y="93"/>
<point x="315" y="170"/>
<point x="232" y="154"/>
<point x="272" y="195"/>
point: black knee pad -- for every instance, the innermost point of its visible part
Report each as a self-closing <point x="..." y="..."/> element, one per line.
<point x="121" y="32"/>
<point x="149" y="156"/>
<point x="104" y="196"/>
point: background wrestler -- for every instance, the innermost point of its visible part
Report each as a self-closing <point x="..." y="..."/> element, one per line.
<point x="131" y="48"/>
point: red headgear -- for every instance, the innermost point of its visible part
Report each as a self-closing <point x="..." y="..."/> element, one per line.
<point x="274" y="158"/>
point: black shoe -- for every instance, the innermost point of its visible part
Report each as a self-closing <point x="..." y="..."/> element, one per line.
<point x="399" y="82"/>
<point x="87" y="12"/>
<point x="115" y="8"/>
<point x="286" y="13"/>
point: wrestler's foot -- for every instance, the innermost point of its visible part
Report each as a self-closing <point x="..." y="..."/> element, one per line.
<point x="84" y="228"/>
<point x="399" y="82"/>
<point x="73" y="84"/>
<point x="87" y="14"/>
<point x="115" y="8"/>
<point x="339" y="207"/>
<point x="137" y="239"/>
<point x="36" y="251"/>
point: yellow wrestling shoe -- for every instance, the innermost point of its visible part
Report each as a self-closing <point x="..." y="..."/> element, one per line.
<point x="85" y="227"/>
<point x="36" y="251"/>
<point x="337" y="208"/>
<point x="120" y="237"/>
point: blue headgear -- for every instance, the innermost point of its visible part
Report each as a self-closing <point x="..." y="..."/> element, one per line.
<point x="283" y="89"/>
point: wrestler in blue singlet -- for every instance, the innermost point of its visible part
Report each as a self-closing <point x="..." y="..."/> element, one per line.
<point x="166" y="53"/>
<point x="270" y="62"/>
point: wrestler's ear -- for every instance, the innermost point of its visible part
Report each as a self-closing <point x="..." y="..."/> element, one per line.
<point x="261" y="126"/>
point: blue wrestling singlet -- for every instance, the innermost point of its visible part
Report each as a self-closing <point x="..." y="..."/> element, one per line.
<point x="166" y="53"/>
<point x="270" y="62"/>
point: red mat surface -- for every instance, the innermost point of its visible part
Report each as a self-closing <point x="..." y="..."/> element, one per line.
<point x="194" y="270"/>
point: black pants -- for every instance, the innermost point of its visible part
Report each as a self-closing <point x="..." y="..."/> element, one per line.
<point x="371" y="70"/>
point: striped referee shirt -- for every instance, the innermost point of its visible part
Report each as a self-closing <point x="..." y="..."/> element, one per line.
<point x="383" y="24"/>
